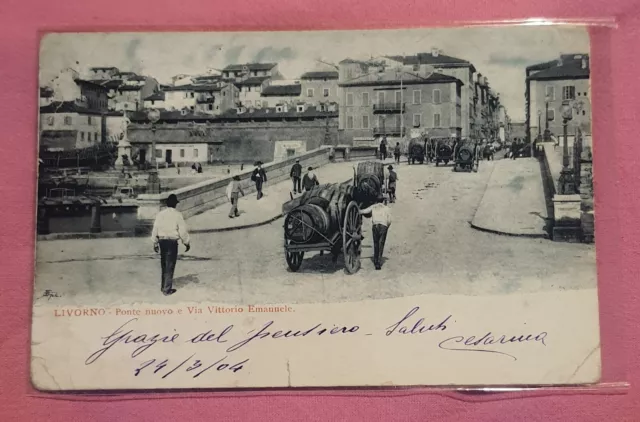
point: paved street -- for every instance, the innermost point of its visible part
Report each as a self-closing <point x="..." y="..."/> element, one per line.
<point x="431" y="248"/>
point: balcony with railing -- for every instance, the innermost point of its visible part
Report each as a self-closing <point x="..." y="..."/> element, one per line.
<point x="396" y="107"/>
<point x="389" y="131"/>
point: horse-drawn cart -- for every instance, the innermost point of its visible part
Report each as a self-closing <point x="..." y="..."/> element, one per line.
<point x="467" y="156"/>
<point x="327" y="218"/>
<point x="444" y="150"/>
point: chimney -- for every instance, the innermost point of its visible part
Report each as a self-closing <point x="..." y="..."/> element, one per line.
<point x="435" y="52"/>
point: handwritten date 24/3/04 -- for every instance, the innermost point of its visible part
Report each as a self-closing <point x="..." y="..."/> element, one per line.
<point x="196" y="367"/>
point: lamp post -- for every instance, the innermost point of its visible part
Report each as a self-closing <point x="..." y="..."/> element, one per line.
<point x="547" y="133"/>
<point x="539" y="128"/>
<point x="566" y="176"/>
<point x="153" y="182"/>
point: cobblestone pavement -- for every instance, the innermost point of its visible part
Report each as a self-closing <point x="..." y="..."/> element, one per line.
<point x="431" y="248"/>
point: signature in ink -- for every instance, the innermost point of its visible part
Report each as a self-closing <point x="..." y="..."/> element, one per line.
<point x="49" y="294"/>
<point x="489" y="342"/>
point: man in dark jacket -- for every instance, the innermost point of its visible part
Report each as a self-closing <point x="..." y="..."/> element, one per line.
<point x="259" y="176"/>
<point x="310" y="180"/>
<point x="383" y="149"/>
<point x="296" y="173"/>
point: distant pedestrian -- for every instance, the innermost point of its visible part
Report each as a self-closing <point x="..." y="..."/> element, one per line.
<point x="396" y="152"/>
<point x="168" y="228"/>
<point x="391" y="184"/>
<point x="233" y="191"/>
<point x="259" y="176"/>
<point x="296" y="174"/>
<point x="383" y="149"/>
<point x="310" y="180"/>
<point x="381" y="221"/>
<point x="199" y="167"/>
<point x="242" y="167"/>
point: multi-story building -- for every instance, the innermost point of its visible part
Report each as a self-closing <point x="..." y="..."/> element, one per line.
<point x="376" y="101"/>
<point x="277" y="94"/>
<point x="250" y="90"/>
<point x="320" y="86"/>
<point x="69" y="125"/>
<point x="210" y="99"/>
<point x="69" y="87"/>
<point x="458" y="68"/>
<point x="548" y="86"/>
<point x="238" y="72"/>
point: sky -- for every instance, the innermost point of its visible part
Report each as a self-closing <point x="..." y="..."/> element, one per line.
<point x="500" y="53"/>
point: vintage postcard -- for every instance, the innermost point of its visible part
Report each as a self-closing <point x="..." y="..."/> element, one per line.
<point x="315" y="209"/>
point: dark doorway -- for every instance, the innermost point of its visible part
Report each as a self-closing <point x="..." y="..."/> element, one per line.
<point x="167" y="156"/>
<point x="143" y="156"/>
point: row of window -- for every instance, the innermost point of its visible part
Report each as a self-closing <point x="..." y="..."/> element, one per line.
<point x="310" y="92"/>
<point x="417" y="121"/>
<point x="436" y="97"/>
<point x="568" y="93"/>
<point x="181" y="152"/>
<point x="91" y="136"/>
<point x="68" y="120"/>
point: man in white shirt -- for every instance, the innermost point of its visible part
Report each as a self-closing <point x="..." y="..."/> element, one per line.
<point x="168" y="228"/>
<point x="380" y="222"/>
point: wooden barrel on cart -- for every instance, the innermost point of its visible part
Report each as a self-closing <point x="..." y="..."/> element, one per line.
<point x="306" y="224"/>
<point x="416" y="150"/>
<point x="369" y="180"/>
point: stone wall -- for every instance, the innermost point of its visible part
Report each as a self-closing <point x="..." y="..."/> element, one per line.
<point x="206" y="195"/>
<point x="244" y="142"/>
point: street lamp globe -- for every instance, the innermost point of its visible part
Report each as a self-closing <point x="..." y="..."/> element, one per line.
<point x="153" y="115"/>
<point x="567" y="110"/>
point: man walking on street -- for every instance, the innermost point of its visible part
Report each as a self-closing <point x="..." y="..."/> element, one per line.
<point x="383" y="149"/>
<point x="233" y="192"/>
<point x="296" y="174"/>
<point x="310" y="180"/>
<point x="259" y="177"/>
<point x="396" y="152"/>
<point x="168" y="228"/>
<point x="380" y="221"/>
<point x="391" y="184"/>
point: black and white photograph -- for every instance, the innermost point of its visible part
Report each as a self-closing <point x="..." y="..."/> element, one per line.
<point x="357" y="191"/>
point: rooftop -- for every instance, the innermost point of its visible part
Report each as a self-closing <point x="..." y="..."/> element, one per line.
<point x="569" y="66"/>
<point x="408" y="79"/>
<point x="173" y="116"/>
<point x="320" y="75"/>
<point x="194" y="87"/>
<point x="109" y="83"/>
<point x="430" y="59"/>
<point x="67" y="107"/>
<point x="293" y="90"/>
<point x="89" y="82"/>
<point x="256" y="80"/>
<point x="249" y="66"/>
<point x="156" y="96"/>
<point x="103" y="68"/>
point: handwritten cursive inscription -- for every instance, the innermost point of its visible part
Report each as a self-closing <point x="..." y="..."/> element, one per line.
<point x="263" y="333"/>
<point x="196" y="366"/>
<point x="418" y="327"/>
<point x="119" y="336"/>
<point x="471" y="344"/>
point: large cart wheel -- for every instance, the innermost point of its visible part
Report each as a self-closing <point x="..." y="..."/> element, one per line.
<point x="352" y="238"/>
<point x="294" y="259"/>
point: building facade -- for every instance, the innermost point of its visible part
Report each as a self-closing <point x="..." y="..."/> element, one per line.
<point x="320" y="87"/>
<point x="275" y="95"/>
<point x="212" y="99"/>
<point x="103" y="73"/>
<point x="67" y="126"/>
<point x="375" y="102"/>
<point x="551" y="84"/>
